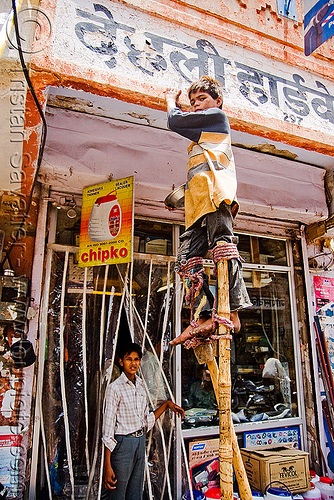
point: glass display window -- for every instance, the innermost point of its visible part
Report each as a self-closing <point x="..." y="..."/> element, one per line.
<point x="260" y="250"/>
<point x="262" y="353"/>
<point x="152" y="237"/>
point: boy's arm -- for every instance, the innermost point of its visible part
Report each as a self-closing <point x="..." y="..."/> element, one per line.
<point x="172" y="99"/>
<point x="179" y="121"/>
<point x="109" y="417"/>
<point x="172" y="406"/>
<point x="109" y="479"/>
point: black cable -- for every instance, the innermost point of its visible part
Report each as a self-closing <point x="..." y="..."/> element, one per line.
<point x="43" y="134"/>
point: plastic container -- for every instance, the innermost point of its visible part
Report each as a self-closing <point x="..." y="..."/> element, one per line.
<point x="280" y="492"/>
<point x="313" y="493"/>
<point x="198" y="495"/>
<point x="213" y="494"/>
<point x="314" y="476"/>
<point x="257" y="495"/>
<point x="326" y="488"/>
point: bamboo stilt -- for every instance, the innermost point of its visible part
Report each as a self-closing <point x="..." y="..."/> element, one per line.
<point x="227" y="437"/>
<point x="224" y="388"/>
<point x="229" y="452"/>
<point x="238" y="464"/>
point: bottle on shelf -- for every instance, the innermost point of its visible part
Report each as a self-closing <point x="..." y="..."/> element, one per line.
<point x="314" y="493"/>
<point x="325" y="485"/>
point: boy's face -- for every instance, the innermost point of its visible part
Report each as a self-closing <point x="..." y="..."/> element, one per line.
<point x="130" y="364"/>
<point x="200" y="100"/>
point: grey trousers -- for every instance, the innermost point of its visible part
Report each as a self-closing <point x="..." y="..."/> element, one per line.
<point x="201" y="237"/>
<point x="128" y="463"/>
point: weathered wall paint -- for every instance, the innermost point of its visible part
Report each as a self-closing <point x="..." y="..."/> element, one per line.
<point x="133" y="54"/>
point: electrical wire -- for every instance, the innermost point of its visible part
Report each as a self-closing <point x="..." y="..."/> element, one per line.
<point x="325" y="267"/>
<point x="43" y="134"/>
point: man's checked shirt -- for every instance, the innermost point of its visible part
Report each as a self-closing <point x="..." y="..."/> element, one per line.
<point x="125" y="410"/>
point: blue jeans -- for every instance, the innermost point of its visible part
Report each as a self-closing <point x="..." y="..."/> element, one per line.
<point x="201" y="237"/>
<point x="128" y="463"/>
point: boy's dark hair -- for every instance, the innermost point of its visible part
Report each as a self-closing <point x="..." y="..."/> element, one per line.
<point x="129" y="348"/>
<point x="208" y="85"/>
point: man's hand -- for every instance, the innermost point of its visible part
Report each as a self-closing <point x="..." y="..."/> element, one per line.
<point x="172" y="406"/>
<point x="109" y="479"/>
<point x="175" y="408"/>
<point x="172" y="98"/>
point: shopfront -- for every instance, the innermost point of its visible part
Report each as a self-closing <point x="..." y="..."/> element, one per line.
<point x="88" y="312"/>
<point x="101" y="76"/>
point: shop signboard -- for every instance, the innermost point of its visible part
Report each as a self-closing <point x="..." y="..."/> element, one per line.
<point x="318" y="23"/>
<point x="111" y="44"/>
<point x="107" y="223"/>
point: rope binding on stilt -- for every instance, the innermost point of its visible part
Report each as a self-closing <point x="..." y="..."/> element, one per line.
<point x="192" y="274"/>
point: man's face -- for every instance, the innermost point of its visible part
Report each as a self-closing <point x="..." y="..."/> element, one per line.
<point x="202" y="100"/>
<point x="130" y="364"/>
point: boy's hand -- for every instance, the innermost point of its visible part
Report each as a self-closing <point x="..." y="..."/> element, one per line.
<point x="175" y="408"/>
<point x="109" y="479"/>
<point x="172" y="98"/>
<point x="170" y="209"/>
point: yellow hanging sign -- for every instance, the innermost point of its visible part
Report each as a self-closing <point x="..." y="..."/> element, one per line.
<point x="107" y="223"/>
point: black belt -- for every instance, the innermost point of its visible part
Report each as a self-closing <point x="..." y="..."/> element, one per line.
<point x="136" y="434"/>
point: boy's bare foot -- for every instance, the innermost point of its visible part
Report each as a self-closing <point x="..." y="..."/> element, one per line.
<point x="185" y="335"/>
<point x="204" y="328"/>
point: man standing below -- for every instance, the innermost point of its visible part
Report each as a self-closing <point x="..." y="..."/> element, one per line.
<point x="126" y="420"/>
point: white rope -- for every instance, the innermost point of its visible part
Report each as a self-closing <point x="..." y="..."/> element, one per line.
<point x="157" y="358"/>
<point x="84" y="364"/>
<point x="100" y="409"/>
<point x="169" y="391"/>
<point x="106" y="270"/>
<point x="62" y="376"/>
<point x="43" y="323"/>
<point x="45" y="455"/>
<point x="147" y="304"/>
<point x="148" y="478"/>
<point x="168" y="454"/>
<point x="162" y="440"/>
<point x="166" y="315"/>
<point x="179" y="434"/>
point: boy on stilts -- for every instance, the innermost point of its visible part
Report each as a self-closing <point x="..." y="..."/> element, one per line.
<point x="210" y="206"/>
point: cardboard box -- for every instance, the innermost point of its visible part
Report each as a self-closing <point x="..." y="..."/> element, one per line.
<point x="284" y="464"/>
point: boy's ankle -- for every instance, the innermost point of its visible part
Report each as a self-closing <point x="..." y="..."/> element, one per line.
<point x="234" y="316"/>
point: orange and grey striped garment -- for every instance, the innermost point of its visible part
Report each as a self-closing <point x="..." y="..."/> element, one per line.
<point x="211" y="176"/>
